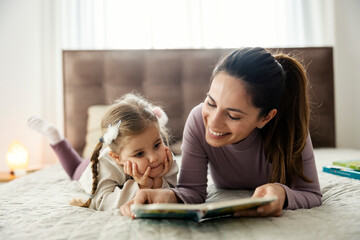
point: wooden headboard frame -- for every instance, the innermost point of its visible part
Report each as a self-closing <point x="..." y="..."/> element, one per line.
<point x="177" y="80"/>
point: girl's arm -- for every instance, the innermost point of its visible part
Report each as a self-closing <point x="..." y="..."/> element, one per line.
<point x="110" y="197"/>
<point x="114" y="188"/>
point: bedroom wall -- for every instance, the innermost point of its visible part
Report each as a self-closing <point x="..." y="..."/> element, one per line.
<point x="347" y="73"/>
<point x="28" y="75"/>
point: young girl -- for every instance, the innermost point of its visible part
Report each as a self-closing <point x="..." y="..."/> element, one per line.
<point x="135" y="157"/>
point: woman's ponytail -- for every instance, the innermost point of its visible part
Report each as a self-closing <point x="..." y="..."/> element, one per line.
<point x="285" y="136"/>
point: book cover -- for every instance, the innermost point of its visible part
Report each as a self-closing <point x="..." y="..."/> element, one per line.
<point x="342" y="171"/>
<point x="198" y="212"/>
<point x="354" y="164"/>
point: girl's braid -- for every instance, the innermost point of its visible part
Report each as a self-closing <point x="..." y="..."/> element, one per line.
<point x="94" y="163"/>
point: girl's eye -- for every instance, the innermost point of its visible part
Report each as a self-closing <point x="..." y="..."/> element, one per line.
<point x="211" y="105"/>
<point x="233" y="118"/>
<point x="157" y="145"/>
<point x="139" y="154"/>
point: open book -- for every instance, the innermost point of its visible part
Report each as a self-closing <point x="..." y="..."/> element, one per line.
<point x="198" y="212"/>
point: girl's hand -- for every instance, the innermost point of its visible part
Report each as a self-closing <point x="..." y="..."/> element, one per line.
<point x="143" y="180"/>
<point x="157" y="183"/>
<point x="149" y="196"/>
<point x="168" y="161"/>
<point x="273" y="209"/>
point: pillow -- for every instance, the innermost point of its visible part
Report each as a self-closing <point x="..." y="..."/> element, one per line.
<point x="176" y="148"/>
<point x="93" y="130"/>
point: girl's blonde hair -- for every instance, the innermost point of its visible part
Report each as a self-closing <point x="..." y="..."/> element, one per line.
<point x="136" y="115"/>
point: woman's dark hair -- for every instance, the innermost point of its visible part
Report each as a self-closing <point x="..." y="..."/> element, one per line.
<point x="275" y="82"/>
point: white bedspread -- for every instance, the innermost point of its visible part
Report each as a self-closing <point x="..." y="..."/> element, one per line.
<point x="36" y="207"/>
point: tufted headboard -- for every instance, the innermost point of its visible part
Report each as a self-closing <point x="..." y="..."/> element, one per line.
<point x="177" y="80"/>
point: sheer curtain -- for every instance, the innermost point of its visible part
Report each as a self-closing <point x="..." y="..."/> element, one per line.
<point x="139" y="24"/>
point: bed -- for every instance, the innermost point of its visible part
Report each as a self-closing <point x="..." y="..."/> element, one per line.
<point x="36" y="206"/>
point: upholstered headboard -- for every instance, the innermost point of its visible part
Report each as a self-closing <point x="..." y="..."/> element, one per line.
<point x="178" y="80"/>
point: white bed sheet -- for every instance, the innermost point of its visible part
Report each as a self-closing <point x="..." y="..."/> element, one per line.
<point x="36" y="207"/>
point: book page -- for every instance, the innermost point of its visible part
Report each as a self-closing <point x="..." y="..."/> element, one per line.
<point x="197" y="211"/>
<point x="241" y="204"/>
<point x="229" y="207"/>
<point x="170" y="206"/>
<point x="168" y="214"/>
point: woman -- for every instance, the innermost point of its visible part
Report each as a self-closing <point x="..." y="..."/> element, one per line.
<point x="252" y="130"/>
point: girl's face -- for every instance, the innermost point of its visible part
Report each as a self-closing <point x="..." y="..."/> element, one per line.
<point x="228" y="112"/>
<point x="145" y="149"/>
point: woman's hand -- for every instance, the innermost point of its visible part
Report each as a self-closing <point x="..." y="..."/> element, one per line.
<point x="167" y="162"/>
<point x="149" y="196"/>
<point x="273" y="209"/>
<point x="143" y="180"/>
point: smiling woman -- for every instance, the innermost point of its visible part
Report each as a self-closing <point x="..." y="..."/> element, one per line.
<point x="253" y="132"/>
<point x="228" y="112"/>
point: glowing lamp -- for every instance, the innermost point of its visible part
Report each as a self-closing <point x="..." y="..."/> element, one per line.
<point x="17" y="158"/>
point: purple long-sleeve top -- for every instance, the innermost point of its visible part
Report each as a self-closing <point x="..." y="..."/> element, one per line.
<point x="237" y="166"/>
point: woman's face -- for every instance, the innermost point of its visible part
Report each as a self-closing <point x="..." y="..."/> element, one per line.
<point x="228" y="112"/>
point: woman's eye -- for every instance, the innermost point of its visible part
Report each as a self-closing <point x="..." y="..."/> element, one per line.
<point x="139" y="154"/>
<point x="211" y="105"/>
<point x="233" y="118"/>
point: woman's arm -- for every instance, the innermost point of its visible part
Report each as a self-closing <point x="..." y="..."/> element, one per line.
<point x="303" y="194"/>
<point x="192" y="181"/>
<point x="300" y="195"/>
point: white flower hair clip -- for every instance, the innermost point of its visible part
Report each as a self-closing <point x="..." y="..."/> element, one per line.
<point x="161" y="115"/>
<point x="111" y="133"/>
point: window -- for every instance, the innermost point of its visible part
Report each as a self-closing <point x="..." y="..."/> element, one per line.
<point x="120" y="24"/>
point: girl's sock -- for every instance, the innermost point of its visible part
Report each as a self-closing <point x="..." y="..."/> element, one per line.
<point x="45" y="128"/>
